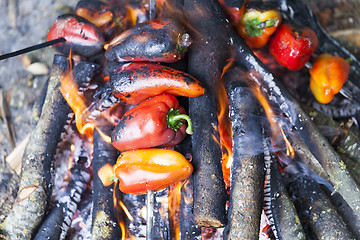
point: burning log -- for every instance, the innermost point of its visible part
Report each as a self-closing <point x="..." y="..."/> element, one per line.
<point x="38" y="160"/>
<point x="59" y="219"/>
<point x="277" y="204"/>
<point x="136" y="219"/>
<point x="105" y="224"/>
<point x="206" y="63"/>
<point x="319" y="218"/>
<point x="247" y="171"/>
<point x="39" y="157"/>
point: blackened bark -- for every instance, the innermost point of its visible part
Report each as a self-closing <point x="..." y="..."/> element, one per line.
<point x="105" y="223"/>
<point x="247" y="170"/>
<point x="207" y="58"/>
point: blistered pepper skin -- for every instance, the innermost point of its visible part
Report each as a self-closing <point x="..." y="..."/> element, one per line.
<point x="234" y="10"/>
<point x="153" y="41"/>
<point x="132" y="83"/>
<point x="139" y="171"/>
<point x="147" y="125"/>
<point x="292" y="46"/>
<point x="328" y="75"/>
<point x="82" y="37"/>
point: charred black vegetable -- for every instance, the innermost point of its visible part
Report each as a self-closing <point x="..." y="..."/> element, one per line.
<point x="161" y="40"/>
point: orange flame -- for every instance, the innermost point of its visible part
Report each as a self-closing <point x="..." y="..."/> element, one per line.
<point x="275" y="127"/>
<point x="174" y="198"/>
<point x="225" y="129"/>
<point x="76" y="101"/>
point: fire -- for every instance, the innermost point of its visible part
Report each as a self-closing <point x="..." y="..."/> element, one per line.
<point x="174" y="199"/>
<point x="275" y="127"/>
<point x="225" y="130"/>
<point x="76" y="101"/>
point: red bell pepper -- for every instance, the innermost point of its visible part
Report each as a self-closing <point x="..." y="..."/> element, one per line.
<point x="158" y="121"/>
<point x="234" y="10"/>
<point x="134" y="82"/>
<point x="154" y="41"/>
<point x="139" y="171"/>
<point x="292" y="47"/>
<point x="328" y="75"/>
<point x="82" y="37"/>
<point x="257" y="26"/>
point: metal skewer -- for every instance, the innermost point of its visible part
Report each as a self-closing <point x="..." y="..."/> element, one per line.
<point x="150" y="197"/>
<point x="32" y="48"/>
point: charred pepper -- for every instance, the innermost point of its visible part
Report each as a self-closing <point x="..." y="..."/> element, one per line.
<point x="139" y="171"/>
<point x="328" y="75"/>
<point x="158" y="121"/>
<point x="134" y="82"/>
<point x="234" y="9"/>
<point x="293" y="46"/>
<point x="154" y="41"/>
<point x="82" y="37"/>
<point x="257" y="26"/>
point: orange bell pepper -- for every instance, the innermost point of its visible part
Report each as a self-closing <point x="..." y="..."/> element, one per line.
<point x="328" y="75"/>
<point x="257" y="26"/>
<point x="139" y="171"/>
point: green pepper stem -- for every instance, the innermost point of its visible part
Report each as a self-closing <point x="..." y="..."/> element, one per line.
<point x="174" y="121"/>
<point x="113" y="178"/>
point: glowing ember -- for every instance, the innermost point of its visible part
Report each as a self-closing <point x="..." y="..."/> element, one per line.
<point x="174" y="198"/>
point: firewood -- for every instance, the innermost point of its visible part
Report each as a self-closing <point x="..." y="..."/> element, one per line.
<point x="38" y="161"/>
<point x="318" y="217"/>
<point x="247" y="170"/>
<point x="207" y="59"/>
<point x="105" y="225"/>
<point x="277" y="204"/>
<point x="59" y="219"/>
<point x="39" y="157"/>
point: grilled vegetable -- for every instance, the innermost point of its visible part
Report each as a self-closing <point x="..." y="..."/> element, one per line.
<point x="82" y="37"/>
<point x="154" y="41"/>
<point x="257" y="26"/>
<point x="95" y="12"/>
<point x="234" y="9"/>
<point x="328" y="75"/>
<point x="155" y="122"/>
<point x="134" y="82"/>
<point x="292" y="46"/>
<point x="139" y="171"/>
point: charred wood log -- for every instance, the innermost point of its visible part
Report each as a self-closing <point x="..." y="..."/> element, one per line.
<point x="136" y="220"/>
<point x="105" y="224"/>
<point x="247" y="170"/>
<point x="188" y="228"/>
<point x="59" y="219"/>
<point x="207" y="59"/>
<point x="318" y="216"/>
<point x="278" y="207"/>
<point x="38" y="160"/>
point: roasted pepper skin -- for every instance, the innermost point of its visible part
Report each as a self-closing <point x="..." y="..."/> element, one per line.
<point x="139" y="171"/>
<point x="154" y="41"/>
<point x="328" y="75"/>
<point x="132" y="83"/>
<point x="234" y="9"/>
<point x="258" y="25"/>
<point x="95" y="12"/>
<point x="82" y="37"/>
<point x="148" y="125"/>
<point x="292" y="47"/>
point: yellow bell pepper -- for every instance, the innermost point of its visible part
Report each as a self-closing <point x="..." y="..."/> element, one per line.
<point x="328" y="75"/>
